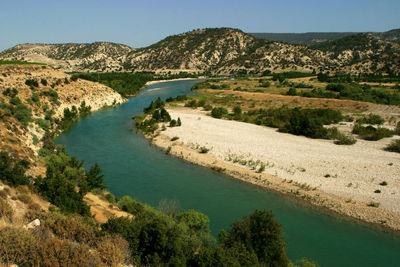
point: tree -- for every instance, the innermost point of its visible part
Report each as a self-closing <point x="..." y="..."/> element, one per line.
<point x="197" y="221"/>
<point x="179" y="123"/>
<point x="218" y="112"/>
<point x="13" y="172"/>
<point x="259" y="233"/>
<point x="95" y="178"/>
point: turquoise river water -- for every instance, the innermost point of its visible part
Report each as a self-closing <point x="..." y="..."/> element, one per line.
<point x="133" y="167"/>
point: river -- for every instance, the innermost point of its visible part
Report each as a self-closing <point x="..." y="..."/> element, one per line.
<point x="133" y="167"/>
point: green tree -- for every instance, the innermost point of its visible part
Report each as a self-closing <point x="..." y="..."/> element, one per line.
<point x="95" y="178"/>
<point x="259" y="233"/>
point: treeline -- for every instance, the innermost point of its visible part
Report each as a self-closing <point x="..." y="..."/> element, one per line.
<point x="126" y="84"/>
<point x="290" y="75"/>
<point x="362" y="77"/>
<point x="162" y="237"/>
<point x="73" y="114"/>
<point x="353" y="91"/>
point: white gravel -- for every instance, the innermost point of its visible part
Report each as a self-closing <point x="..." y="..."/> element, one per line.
<point x="353" y="172"/>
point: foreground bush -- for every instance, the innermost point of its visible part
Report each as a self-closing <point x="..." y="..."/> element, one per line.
<point x="394" y="146"/>
<point x="18" y="246"/>
<point x="12" y="172"/>
<point x="371" y="133"/>
<point x="6" y="211"/>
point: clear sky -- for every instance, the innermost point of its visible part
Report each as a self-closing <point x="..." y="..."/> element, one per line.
<point x="141" y="23"/>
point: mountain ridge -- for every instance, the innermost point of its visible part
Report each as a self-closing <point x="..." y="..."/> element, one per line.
<point x="220" y="51"/>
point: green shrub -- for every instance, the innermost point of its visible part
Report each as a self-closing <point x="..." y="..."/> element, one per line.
<point x="43" y="81"/>
<point x="10" y="92"/>
<point x="50" y="93"/>
<point x="371" y="119"/>
<point x="192" y="103"/>
<point x="292" y="92"/>
<point x="44" y="124"/>
<point x="23" y="114"/>
<point x="32" y="83"/>
<point x="204" y="150"/>
<point x="172" y="123"/>
<point x="343" y="139"/>
<point x="35" y="98"/>
<point x="371" y="133"/>
<point x="174" y="138"/>
<point x="12" y="171"/>
<point x="218" y="112"/>
<point x="394" y="146"/>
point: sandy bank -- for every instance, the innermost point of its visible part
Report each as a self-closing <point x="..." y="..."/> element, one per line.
<point x="163" y="81"/>
<point x="341" y="178"/>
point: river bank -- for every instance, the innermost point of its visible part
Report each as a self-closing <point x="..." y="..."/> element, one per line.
<point x="171" y="80"/>
<point x="339" y="181"/>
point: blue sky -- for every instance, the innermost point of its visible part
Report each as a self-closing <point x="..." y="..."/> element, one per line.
<point x="141" y="23"/>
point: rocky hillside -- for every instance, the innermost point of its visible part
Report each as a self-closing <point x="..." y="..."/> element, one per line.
<point x="99" y="56"/>
<point x="365" y="52"/>
<point x="221" y="51"/>
<point x="32" y="101"/>
<point x="308" y="38"/>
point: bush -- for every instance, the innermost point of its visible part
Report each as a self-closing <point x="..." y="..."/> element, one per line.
<point x="43" y="81"/>
<point x="50" y="93"/>
<point x="371" y="119"/>
<point x="371" y="133"/>
<point x="204" y="150"/>
<point x="35" y="98"/>
<point x="218" y="112"/>
<point x="18" y="246"/>
<point x="394" y="146"/>
<point x="343" y="139"/>
<point x="56" y="252"/>
<point x="23" y="114"/>
<point x="24" y="198"/>
<point x="10" y="92"/>
<point x="31" y="83"/>
<point x="292" y="92"/>
<point x="172" y="123"/>
<point x="69" y="227"/>
<point x="6" y="211"/>
<point x="192" y="104"/>
<point x="12" y="171"/>
<point x="113" y="250"/>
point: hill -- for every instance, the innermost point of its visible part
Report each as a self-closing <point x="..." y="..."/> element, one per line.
<point x="223" y="51"/>
<point x="98" y="56"/>
<point x="308" y="38"/>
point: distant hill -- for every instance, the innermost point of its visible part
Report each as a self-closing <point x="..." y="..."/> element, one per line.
<point x="100" y="56"/>
<point x="309" y="38"/>
<point x="222" y="51"/>
<point x="314" y="38"/>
